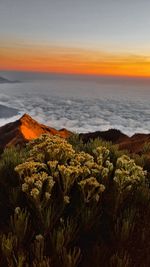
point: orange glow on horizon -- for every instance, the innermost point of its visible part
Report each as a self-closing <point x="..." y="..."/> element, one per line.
<point x="72" y="61"/>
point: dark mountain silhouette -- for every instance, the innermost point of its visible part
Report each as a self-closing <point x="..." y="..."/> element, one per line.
<point x="4" y="80"/>
<point x="112" y="135"/>
<point x="133" y="144"/>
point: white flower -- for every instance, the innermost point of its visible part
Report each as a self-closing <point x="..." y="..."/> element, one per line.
<point x="34" y="193"/>
<point x="51" y="182"/>
<point x="128" y="173"/>
<point x="102" y="188"/>
<point x="25" y="187"/>
<point x="105" y="172"/>
<point x="47" y="195"/>
<point x="17" y="210"/>
<point x="97" y="197"/>
<point x="66" y="200"/>
<point x="91" y="189"/>
<point x="38" y="184"/>
<point x="29" y="180"/>
<point x="39" y="237"/>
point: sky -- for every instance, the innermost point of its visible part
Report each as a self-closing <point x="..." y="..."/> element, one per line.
<point x="102" y="37"/>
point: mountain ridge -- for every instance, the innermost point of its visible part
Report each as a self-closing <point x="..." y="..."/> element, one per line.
<point x="26" y="128"/>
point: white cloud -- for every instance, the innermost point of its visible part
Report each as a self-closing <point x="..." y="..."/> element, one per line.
<point x="84" y="114"/>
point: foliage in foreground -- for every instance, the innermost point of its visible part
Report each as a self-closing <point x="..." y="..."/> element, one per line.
<point x="61" y="206"/>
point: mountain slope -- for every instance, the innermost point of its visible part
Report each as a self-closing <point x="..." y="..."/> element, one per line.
<point x="24" y="130"/>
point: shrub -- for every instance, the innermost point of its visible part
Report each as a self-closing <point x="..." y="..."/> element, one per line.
<point x="9" y="181"/>
<point x="146" y="148"/>
<point x="77" y="143"/>
<point x="76" y="208"/>
<point x="10" y="158"/>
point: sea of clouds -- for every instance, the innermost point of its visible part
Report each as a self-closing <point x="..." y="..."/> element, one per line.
<point x="78" y="112"/>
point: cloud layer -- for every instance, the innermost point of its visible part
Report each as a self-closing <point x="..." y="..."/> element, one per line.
<point x="79" y="112"/>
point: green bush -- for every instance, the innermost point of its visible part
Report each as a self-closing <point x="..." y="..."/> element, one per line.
<point x="146" y="148"/>
<point x="9" y="181"/>
<point x="10" y="158"/>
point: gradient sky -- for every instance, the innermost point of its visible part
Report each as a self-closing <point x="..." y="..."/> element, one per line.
<point x="106" y="37"/>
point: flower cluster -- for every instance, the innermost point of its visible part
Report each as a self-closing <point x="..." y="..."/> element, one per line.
<point x="53" y="160"/>
<point x="68" y="174"/>
<point x="34" y="175"/>
<point x="102" y="154"/>
<point x="128" y="174"/>
<point x="91" y="189"/>
<point x="50" y="148"/>
<point x="29" y="167"/>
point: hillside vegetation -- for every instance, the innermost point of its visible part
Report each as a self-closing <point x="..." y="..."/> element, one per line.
<point x="69" y="204"/>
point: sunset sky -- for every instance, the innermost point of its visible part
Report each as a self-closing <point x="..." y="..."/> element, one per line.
<point x="102" y="37"/>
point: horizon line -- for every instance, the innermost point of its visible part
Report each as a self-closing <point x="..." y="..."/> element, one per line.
<point x="97" y="75"/>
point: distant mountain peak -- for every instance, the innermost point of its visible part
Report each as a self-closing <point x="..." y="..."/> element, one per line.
<point x="26" y="115"/>
<point x="5" y="80"/>
<point x="26" y="118"/>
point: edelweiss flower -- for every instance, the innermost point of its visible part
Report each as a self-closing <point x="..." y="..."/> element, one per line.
<point x="34" y="193"/>
<point x="66" y="199"/>
<point x="17" y="210"/>
<point x="39" y="237"/>
<point x="25" y="187"/>
<point x="47" y="195"/>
